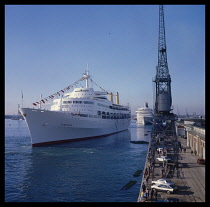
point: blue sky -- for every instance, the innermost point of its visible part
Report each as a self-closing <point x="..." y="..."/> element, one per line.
<point x="47" y="48"/>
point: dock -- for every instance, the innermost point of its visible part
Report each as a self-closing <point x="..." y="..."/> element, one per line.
<point x="188" y="175"/>
<point x="179" y="165"/>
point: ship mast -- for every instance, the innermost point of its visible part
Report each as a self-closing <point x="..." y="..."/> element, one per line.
<point x="86" y="77"/>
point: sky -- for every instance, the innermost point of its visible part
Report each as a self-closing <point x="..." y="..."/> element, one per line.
<point x="48" y="47"/>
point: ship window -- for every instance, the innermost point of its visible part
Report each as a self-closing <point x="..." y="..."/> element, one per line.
<point x="88" y="102"/>
<point x="103" y="115"/>
<point x="103" y="105"/>
<point x="77" y="102"/>
<point x="67" y="102"/>
<point x="107" y="115"/>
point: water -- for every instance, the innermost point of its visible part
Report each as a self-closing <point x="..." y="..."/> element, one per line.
<point x="92" y="170"/>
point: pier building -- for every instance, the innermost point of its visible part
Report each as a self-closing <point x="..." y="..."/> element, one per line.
<point x="194" y="131"/>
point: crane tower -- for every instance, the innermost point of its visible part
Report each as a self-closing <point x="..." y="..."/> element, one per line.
<point x="164" y="119"/>
<point x="162" y="80"/>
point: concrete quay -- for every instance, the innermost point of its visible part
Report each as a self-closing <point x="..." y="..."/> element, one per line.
<point x="189" y="176"/>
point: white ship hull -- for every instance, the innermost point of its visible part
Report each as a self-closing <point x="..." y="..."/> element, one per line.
<point x="50" y="127"/>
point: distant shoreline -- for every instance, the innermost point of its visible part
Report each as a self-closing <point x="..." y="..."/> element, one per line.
<point x="11" y="116"/>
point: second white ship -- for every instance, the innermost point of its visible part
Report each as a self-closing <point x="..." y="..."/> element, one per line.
<point x="81" y="114"/>
<point x="144" y="115"/>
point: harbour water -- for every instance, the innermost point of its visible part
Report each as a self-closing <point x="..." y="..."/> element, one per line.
<point x="93" y="170"/>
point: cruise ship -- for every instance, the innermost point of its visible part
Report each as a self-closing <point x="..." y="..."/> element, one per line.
<point x="144" y="115"/>
<point x="81" y="114"/>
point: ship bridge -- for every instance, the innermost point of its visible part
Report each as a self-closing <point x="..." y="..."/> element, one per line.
<point x="85" y="93"/>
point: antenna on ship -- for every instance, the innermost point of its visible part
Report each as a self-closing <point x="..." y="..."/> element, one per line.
<point x="86" y="76"/>
<point x="22" y="97"/>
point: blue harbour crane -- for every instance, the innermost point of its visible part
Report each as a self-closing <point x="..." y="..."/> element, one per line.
<point x="163" y="117"/>
<point x="163" y="99"/>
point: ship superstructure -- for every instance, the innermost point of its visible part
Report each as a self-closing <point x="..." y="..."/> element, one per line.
<point x="144" y="115"/>
<point x="80" y="114"/>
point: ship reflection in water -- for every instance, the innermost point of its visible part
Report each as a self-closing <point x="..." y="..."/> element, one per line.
<point x="140" y="134"/>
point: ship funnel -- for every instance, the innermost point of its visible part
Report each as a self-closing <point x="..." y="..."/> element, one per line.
<point x="117" y="98"/>
<point x="146" y="105"/>
<point x="111" y="97"/>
